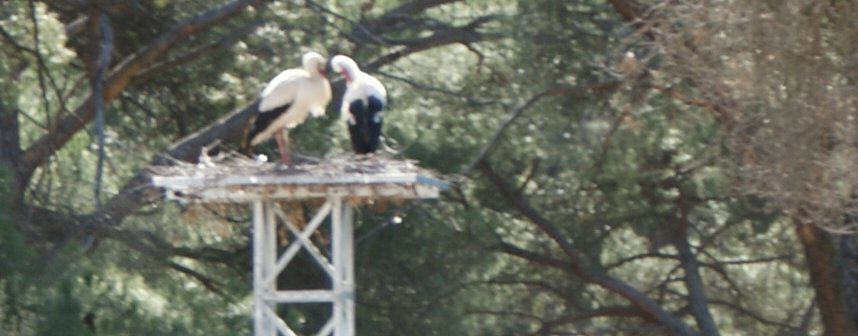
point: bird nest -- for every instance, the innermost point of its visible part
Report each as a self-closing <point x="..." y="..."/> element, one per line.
<point x="232" y="163"/>
<point x="238" y="178"/>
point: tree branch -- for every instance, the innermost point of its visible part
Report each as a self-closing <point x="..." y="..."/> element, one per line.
<point x="163" y="257"/>
<point x="194" y="55"/>
<point x="626" y="260"/>
<point x="483" y="153"/>
<point x="630" y="10"/>
<point x="614" y="311"/>
<point x="450" y="35"/>
<point x="42" y="66"/>
<point x="41" y="69"/>
<point x="503" y="313"/>
<point x="521" y="205"/>
<point x="426" y="87"/>
<point x="230" y="258"/>
<point x="138" y="191"/>
<point x="698" y="302"/>
<point x="578" y="264"/>
<point x="102" y="62"/>
<point x="63" y="130"/>
<point x="750" y="313"/>
<point x="533" y="256"/>
<point x="413" y="8"/>
<point x="543" y="285"/>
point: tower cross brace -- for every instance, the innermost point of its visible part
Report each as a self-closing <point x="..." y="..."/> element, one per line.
<point x="268" y="265"/>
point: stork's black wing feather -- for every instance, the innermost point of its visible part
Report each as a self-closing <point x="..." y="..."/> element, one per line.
<point x="365" y="133"/>
<point x="261" y="121"/>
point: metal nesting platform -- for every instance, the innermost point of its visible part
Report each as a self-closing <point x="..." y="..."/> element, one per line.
<point x="341" y="181"/>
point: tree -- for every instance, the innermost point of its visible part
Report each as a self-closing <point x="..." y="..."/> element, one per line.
<point x="786" y="113"/>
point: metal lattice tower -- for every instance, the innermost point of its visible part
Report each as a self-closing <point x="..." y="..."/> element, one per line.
<point x="339" y="183"/>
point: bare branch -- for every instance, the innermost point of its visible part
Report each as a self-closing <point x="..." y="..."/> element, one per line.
<point x="76" y="26"/>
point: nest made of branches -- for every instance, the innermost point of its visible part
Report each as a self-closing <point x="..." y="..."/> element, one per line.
<point x="236" y="164"/>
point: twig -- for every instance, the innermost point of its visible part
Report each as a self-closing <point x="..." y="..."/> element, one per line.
<point x="358" y="25"/>
<point x="614" y="311"/>
<point x="195" y="55"/>
<point x="6" y="36"/>
<point x="518" y="112"/>
<point x="470" y="99"/>
<point x="804" y="328"/>
<point x="38" y="52"/>
<point x="207" y="282"/>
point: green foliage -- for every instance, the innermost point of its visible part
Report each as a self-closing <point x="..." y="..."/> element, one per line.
<point x="618" y="163"/>
<point x="14" y="271"/>
<point x="63" y="314"/>
<point x="27" y="292"/>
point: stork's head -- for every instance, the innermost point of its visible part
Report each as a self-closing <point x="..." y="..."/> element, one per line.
<point x="314" y="63"/>
<point x="345" y="66"/>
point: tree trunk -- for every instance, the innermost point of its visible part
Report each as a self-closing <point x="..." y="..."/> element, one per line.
<point x="697" y="301"/>
<point x="11" y="180"/>
<point x="820" y="256"/>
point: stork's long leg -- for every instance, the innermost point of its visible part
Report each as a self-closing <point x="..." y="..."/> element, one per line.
<point x="282" y="138"/>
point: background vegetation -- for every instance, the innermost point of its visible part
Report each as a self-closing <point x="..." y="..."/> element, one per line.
<point x="620" y="167"/>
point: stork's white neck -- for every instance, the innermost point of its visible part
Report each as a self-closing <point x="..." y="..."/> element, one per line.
<point x="346" y="67"/>
<point x="313" y="63"/>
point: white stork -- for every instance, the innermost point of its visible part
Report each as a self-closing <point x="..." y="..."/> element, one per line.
<point x="287" y="100"/>
<point x="363" y="104"/>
